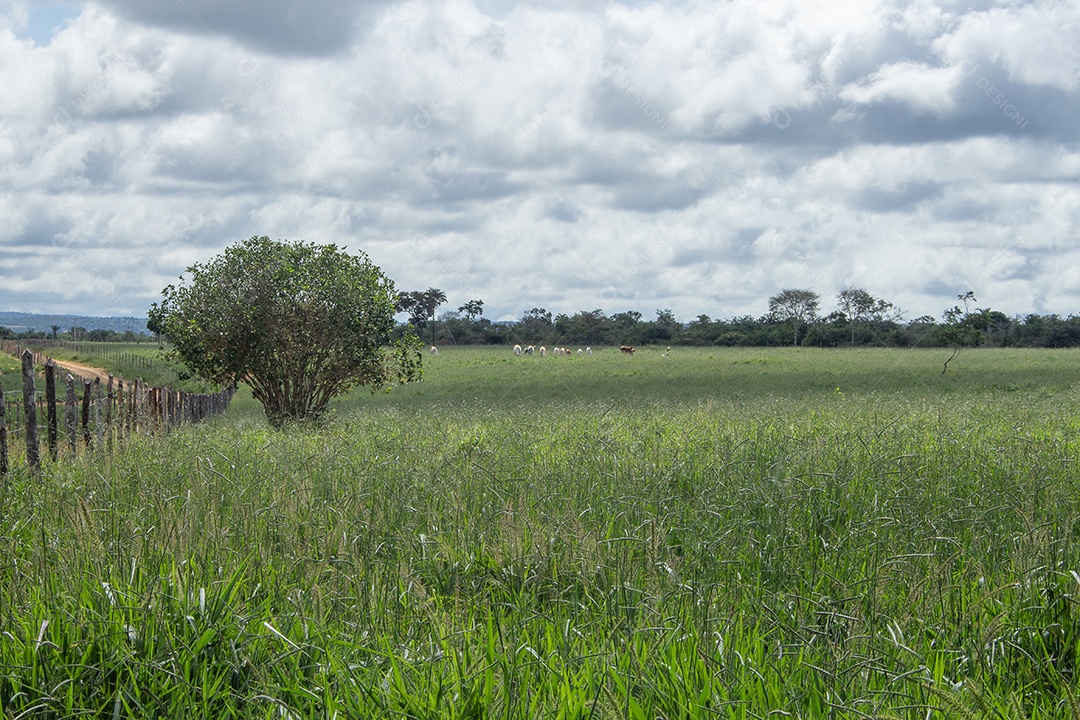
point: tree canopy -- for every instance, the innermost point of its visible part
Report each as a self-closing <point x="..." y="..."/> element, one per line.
<point x="299" y="323"/>
<point x="797" y="306"/>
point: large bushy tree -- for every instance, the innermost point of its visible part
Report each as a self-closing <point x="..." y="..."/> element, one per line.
<point x="299" y="323"/>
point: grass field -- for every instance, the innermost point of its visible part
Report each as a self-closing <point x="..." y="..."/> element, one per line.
<point x="10" y="372"/>
<point x="716" y="533"/>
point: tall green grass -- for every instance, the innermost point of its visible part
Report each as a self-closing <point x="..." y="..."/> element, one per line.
<point x="10" y="373"/>
<point x="571" y="547"/>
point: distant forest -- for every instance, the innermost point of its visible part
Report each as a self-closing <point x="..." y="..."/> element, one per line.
<point x="794" y="318"/>
<point x="594" y="328"/>
<point x="34" y="325"/>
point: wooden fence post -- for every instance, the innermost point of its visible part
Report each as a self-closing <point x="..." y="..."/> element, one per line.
<point x="140" y="404"/>
<point x="151" y="407"/>
<point x="109" y="407"/>
<point x="33" y="457"/>
<point x="129" y="409"/>
<point x="86" y="413"/>
<point x="69" y="412"/>
<point x="50" y="406"/>
<point x="3" y="434"/>
<point x="97" y="411"/>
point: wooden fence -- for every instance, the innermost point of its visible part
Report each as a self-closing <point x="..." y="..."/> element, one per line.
<point x="95" y="414"/>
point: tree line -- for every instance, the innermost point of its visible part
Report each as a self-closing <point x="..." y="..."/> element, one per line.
<point x="794" y="318"/>
<point x="75" y="333"/>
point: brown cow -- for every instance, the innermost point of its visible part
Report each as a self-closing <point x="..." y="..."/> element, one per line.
<point x="628" y="349"/>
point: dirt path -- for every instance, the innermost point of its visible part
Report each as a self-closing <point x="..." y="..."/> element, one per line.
<point x="84" y="371"/>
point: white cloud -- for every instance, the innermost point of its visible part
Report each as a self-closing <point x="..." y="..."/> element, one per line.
<point x="923" y="88"/>
<point x="693" y="155"/>
<point x="1036" y="43"/>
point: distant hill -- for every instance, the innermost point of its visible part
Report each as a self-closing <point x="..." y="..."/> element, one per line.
<point x="21" y="322"/>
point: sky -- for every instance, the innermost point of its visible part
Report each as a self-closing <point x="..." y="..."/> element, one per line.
<point x="691" y="156"/>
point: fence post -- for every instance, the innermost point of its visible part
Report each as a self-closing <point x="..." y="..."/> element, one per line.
<point x="69" y="412"/>
<point x="3" y="434"/>
<point x="118" y="400"/>
<point x="129" y="408"/>
<point x="50" y="405"/>
<point x="86" y="413"/>
<point x="109" y="407"/>
<point x="97" y="411"/>
<point x="151" y="407"/>
<point x="33" y="457"/>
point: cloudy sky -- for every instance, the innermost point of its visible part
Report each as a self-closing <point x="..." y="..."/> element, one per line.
<point x="697" y="156"/>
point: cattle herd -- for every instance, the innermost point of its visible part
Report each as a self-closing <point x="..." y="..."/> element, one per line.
<point x="557" y="352"/>
<point x="542" y="351"/>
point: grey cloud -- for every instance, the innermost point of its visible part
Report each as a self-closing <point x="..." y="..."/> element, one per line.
<point x="38" y="233"/>
<point x="100" y="167"/>
<point x="904" y="197"/>
<point x="458" y="187"/>
<point x="962" y="209"/>
<point x="285" y="27"/>
<point x="650" y="195"/>
<point x="564" y="211"/>
<point x="801" y="132"/>
<point x="618" y="103"/>
<point x="458" y="224"/>
<point x="633" y="187"/>
<point x="694" y="256"/>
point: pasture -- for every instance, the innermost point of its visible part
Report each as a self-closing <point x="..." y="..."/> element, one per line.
<point x="714" y="534"/>
<point x="10" y="373"/>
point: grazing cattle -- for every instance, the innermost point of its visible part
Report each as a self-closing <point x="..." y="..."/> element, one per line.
<point x="434" y="350"/>
<point x="543" y="351"/>
<point x="580" y="352"/>
<point x="628" y="349"/>
<point x="588" y="351"/>
<point x="530" y="350"/>
<point x="517" y="349"/>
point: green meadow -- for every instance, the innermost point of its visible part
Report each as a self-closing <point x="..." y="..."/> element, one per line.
<point x="704" y="533"/>
<point x="10" y="373"/>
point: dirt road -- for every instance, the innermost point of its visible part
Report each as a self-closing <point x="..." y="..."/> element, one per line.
<point x="84" y="371"/>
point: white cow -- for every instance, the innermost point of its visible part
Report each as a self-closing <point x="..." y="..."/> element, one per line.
<point x="530" y="350"/>
<point x="517" y="349"/>
<point x="543" y="351"/>
<point x="434" y="350"/>
<point x="580" y="352"/>
<point x="588" y="351"/>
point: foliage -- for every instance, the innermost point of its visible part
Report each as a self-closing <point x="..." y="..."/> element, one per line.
<point x="958" y="330"/>
<point x="299" y="323"/>
<point x="874" y="323"/>
<point x="472" y="309"/>
<point x="857" y="305"/>
<point x="796" y="306"/>
<point x="421" y="306"/>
